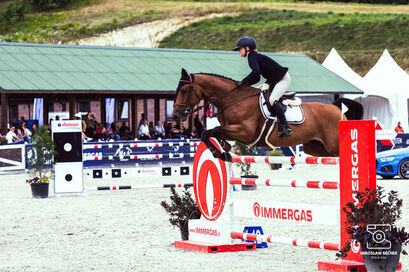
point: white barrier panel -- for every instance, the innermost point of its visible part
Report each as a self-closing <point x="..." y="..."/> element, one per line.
<point x="67" y="136"/>
<point x="112" y="173"/>
<point x="287" y="212"/>
<point x="14" y="165"/>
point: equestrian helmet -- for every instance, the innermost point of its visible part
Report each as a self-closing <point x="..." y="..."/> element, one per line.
<point x="245" y="41"/>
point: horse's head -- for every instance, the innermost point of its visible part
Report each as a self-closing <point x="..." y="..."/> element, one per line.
<point x="187" y="96"/>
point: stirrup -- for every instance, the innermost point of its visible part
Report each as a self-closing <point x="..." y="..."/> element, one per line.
<point x="285" y="132"/>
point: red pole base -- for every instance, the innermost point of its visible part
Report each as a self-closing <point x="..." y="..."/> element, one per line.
<point x="213" y="248"/>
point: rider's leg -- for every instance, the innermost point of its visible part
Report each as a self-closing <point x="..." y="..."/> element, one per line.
<point x="279" y="89"/>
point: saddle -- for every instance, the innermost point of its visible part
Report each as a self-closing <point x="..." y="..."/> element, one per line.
<point x="291" y="106"/>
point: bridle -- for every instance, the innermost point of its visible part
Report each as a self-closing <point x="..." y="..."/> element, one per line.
<point x="188" y="110"/>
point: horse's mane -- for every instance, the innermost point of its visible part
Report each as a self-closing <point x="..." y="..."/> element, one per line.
<point x="216" y="75"/>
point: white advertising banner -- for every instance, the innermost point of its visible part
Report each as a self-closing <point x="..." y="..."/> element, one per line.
<point x="287" y="212"/>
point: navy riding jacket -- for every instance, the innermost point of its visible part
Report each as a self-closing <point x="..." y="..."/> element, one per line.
<point x="265" y="66"/>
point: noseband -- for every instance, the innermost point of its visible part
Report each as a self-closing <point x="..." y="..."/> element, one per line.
<point x="187" y="109"/>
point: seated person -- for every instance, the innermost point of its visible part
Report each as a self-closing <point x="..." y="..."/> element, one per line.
<point x="176" y="132"/>
<point x="99" y="132"/>
<point x="186" y="132"/>
<point x="110" y="134"/>
<point x="12" y="137"/>
<point x="160" y="130"/>
<point x="25" y="132"/>
<point x="152" y="130"/>
<point x="125" y="132"/>
<point x="143" y="131"/>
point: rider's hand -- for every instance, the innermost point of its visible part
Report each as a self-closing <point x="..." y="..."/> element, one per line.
<point x="238" y="84"/>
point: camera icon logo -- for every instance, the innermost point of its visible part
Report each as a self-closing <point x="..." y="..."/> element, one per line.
<point x="379" y="240"/>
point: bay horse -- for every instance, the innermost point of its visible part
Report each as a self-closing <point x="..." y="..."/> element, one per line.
<point x="241" y="119"/>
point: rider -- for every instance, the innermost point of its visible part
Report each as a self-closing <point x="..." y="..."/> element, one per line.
<point x="278" y="79"/>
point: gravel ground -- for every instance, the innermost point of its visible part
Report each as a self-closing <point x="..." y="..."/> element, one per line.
<point x="129" y="231"/>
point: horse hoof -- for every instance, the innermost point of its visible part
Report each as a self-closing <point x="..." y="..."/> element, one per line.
<point x="226" y="157"/>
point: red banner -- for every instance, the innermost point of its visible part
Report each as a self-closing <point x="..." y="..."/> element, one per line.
<point x="357" y="169"/>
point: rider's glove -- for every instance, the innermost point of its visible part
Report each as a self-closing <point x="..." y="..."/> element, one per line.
<point x="238" y="84"/>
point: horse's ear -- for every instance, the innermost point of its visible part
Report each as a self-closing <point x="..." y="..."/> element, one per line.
<point x="184" y="74"/>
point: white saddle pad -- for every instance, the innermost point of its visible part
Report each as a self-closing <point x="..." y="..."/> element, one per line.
<point x="294" y="114"/>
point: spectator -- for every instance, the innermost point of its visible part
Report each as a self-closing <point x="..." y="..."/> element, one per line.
<point x="125" y="132"/>
<point x="33" y="128"/>
<point x="26" y="132"/>
<point x="198" y="125"/>
<point x="143" y="131"/>
<point x="109" y="133"/>
<point x="176" y="132"/>
<point x="160" y="130"/>
<point x="99" y="133"/>
<point x="142" y="119"/>
<point x="90" y="126"/>
<point x="186" y="131"/>
<point x="399" y="128"/>
<point x="152" y="130"/>
<point x="12" y="138"/>
<point x="49" y="125"/>
<point x="168" y="127"/>
<point x="78" y="116"/>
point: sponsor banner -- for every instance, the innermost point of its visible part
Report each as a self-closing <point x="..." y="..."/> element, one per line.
<point x="385" y="134"/>
<point x="215" y="232"/>
<point x="66" y="126"/>
<point x="123" y="148"/>
<point x="288" y="212"/>
<point x="357" y="169"/>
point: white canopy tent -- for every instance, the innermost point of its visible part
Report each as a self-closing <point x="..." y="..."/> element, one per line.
<point x="335" y="63"/>
<point x="385" y="86"/>
<point x="386" y="80"/>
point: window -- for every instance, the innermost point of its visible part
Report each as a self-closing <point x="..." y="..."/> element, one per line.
<point x="169" y="109"/>
<point x="123" y="110"/>
<point x="13" y="113"/>
<point x="84" y="106"/>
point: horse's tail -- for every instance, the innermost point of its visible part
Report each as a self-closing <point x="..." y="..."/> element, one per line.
<point x="355" y="109"/>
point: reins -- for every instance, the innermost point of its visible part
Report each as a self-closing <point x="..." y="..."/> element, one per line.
<point x="211" y="100"/>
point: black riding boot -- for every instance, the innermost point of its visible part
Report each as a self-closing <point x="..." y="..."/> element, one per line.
<point x="282" y="121"/>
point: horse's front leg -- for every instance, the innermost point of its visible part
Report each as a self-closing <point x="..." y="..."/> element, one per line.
<point x="217" y="133"/>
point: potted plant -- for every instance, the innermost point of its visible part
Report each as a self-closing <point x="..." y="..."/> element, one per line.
<point x="246" y="170"/>
<point x="372" y="223"/>
<point x="40" y="162"/>
<point x="275" y="166"/>
<point x="181" y="209"/>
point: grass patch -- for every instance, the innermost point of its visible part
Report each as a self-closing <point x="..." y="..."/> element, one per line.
<point x="294" y="31"/>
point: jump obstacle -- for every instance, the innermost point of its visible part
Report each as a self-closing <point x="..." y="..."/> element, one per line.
<point x="217" y="231"/>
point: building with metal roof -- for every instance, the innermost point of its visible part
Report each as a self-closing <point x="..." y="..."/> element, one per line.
<point x="72" y="76"/>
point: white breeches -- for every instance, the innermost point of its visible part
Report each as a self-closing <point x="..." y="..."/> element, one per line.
<point x="280" y="88"/>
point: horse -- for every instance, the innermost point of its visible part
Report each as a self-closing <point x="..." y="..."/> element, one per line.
<point x="241" y="119"/>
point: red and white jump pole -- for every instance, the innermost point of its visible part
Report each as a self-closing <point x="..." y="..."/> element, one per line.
<point x="331" y="185"/>
<point x="284" y="241"/>
<point x="291" y="160"/>
<point x="217" y="229"/>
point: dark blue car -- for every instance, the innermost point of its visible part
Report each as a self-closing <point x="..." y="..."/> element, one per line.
<point x="393" y="162"/>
